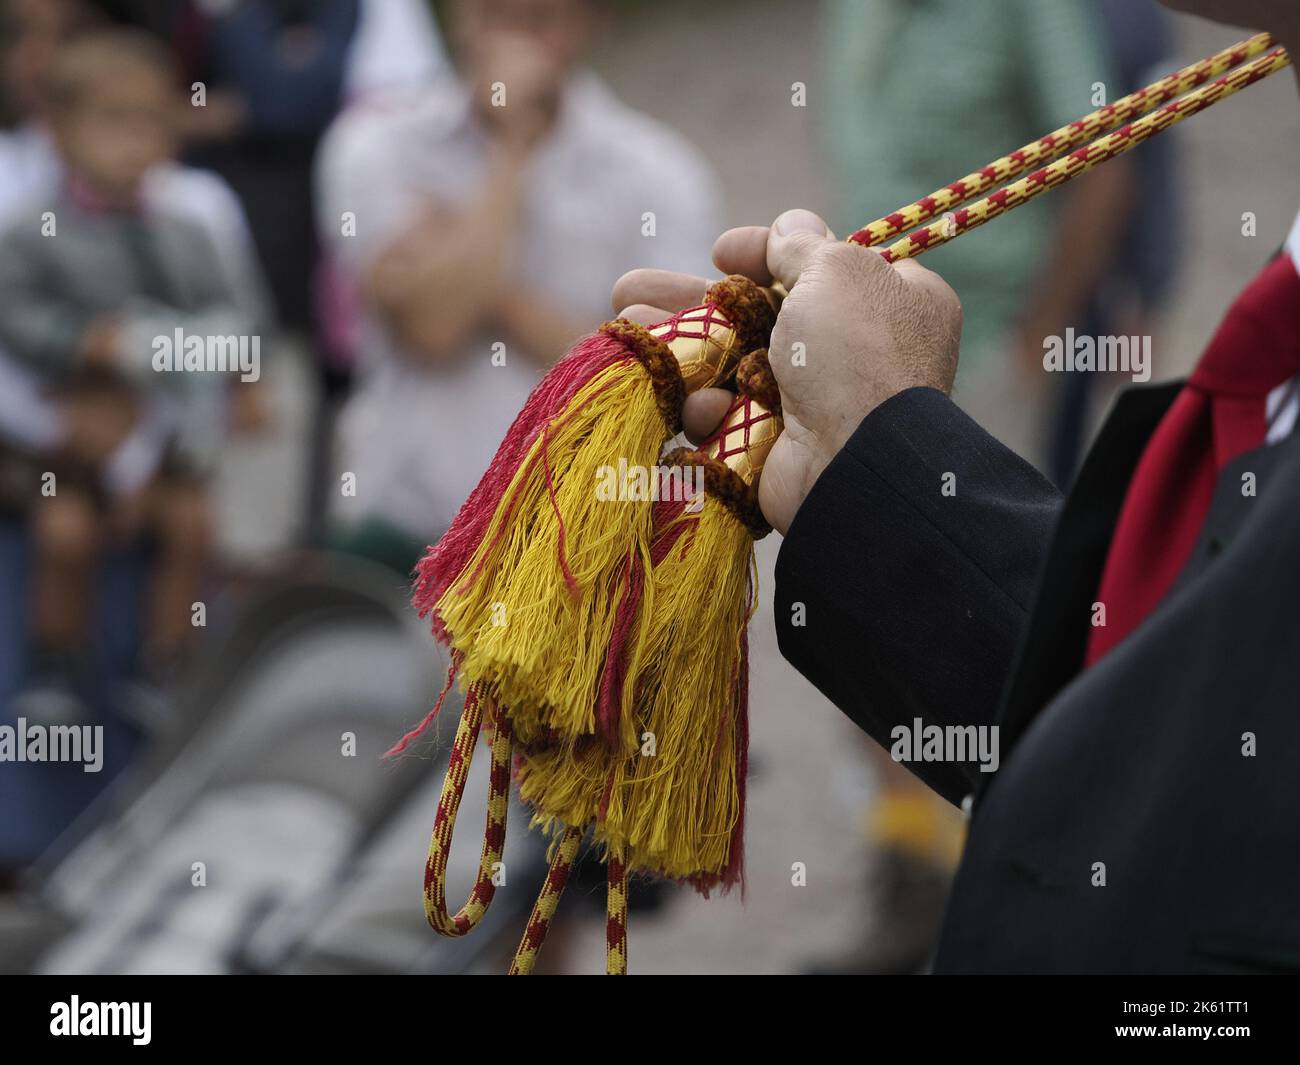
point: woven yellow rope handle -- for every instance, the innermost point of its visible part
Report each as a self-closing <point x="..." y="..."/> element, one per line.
<point x="1084" y="159"/>
<point x="1065" y="139"/>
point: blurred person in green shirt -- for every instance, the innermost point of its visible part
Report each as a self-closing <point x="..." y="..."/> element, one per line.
<point x="920" y="93"/>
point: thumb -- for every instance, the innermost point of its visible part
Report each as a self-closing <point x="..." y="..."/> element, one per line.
<point x="794" y="240"/>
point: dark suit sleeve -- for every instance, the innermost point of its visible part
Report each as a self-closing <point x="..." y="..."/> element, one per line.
<point x="901" y="600"/>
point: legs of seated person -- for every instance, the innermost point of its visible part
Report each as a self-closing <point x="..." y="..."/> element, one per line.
<point x="70" y="531"/>
<point x="67" y="537"/>
<point x="179" y="515"/>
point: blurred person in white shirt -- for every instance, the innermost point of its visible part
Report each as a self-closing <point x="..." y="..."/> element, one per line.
<point x="478" y="223"/>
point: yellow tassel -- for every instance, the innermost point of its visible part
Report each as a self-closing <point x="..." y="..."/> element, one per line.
<point x="673" y="803"/>
<point x="514" y="591"/>
<point x="676" y="809"/>
<point x="541" y="601"/>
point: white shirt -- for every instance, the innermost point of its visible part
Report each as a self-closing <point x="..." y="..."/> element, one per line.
<point x="418" y="439"/>
<point x="1282" y="405"/>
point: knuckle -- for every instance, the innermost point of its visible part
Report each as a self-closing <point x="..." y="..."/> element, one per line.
<point x="950" y="302"/>
<point x="845" y="257"/>
<point x="626" y="286"/>
<point x="934" y="290"/>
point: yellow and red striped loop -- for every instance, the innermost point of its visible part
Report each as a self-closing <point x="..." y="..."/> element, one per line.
<point x="615" y="916"/>
<point x="564" y="853"/>
<point x="444" y="824"/>
<point x="548" y="901"/>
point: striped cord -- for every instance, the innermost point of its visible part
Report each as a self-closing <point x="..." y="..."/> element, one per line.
<point x="1065" y="139"/>
<point x="548" y="900"/>
<point x="615" y="915"/>
<point x="444" y="823"/>
<point x="1081" y="160"/>
<point x="494" y="835"/>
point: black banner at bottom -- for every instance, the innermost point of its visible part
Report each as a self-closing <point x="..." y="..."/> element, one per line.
<point x="344" y="1015"/>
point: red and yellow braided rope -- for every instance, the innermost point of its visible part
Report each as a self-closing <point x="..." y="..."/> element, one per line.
<point x="1065" y="139"/>
<point x="494" y="837"/>
<point x="616" y="916"/>
<point x="1081" y="160"/>
<point x="548" y="901"/>
<point x="444" y="823"/>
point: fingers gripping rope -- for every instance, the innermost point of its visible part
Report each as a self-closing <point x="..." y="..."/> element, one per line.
<point x="494" y="834"/>
<point x="539" y="921"/>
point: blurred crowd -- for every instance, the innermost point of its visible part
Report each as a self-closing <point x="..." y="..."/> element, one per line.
<point x="276" y="275"/>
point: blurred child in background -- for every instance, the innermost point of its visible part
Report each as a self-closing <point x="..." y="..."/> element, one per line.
<point x="89" y="281"/>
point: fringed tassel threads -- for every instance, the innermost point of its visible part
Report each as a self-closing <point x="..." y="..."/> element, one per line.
<point x="684" y="810"/>
<point x="446" y="559"/>
<point x="680" y="812"/>
<point x="538" y="604"/>
<point x="675" y="807"/>
<point x="538" y="593"/>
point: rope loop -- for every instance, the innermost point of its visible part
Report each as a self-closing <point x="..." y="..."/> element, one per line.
<point x="444" y="824"/>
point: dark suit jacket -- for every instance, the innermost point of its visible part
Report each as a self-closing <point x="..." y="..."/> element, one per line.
<point x="975" y="608"/>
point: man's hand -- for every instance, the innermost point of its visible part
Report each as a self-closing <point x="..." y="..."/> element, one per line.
<point x="853" y="331"/>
